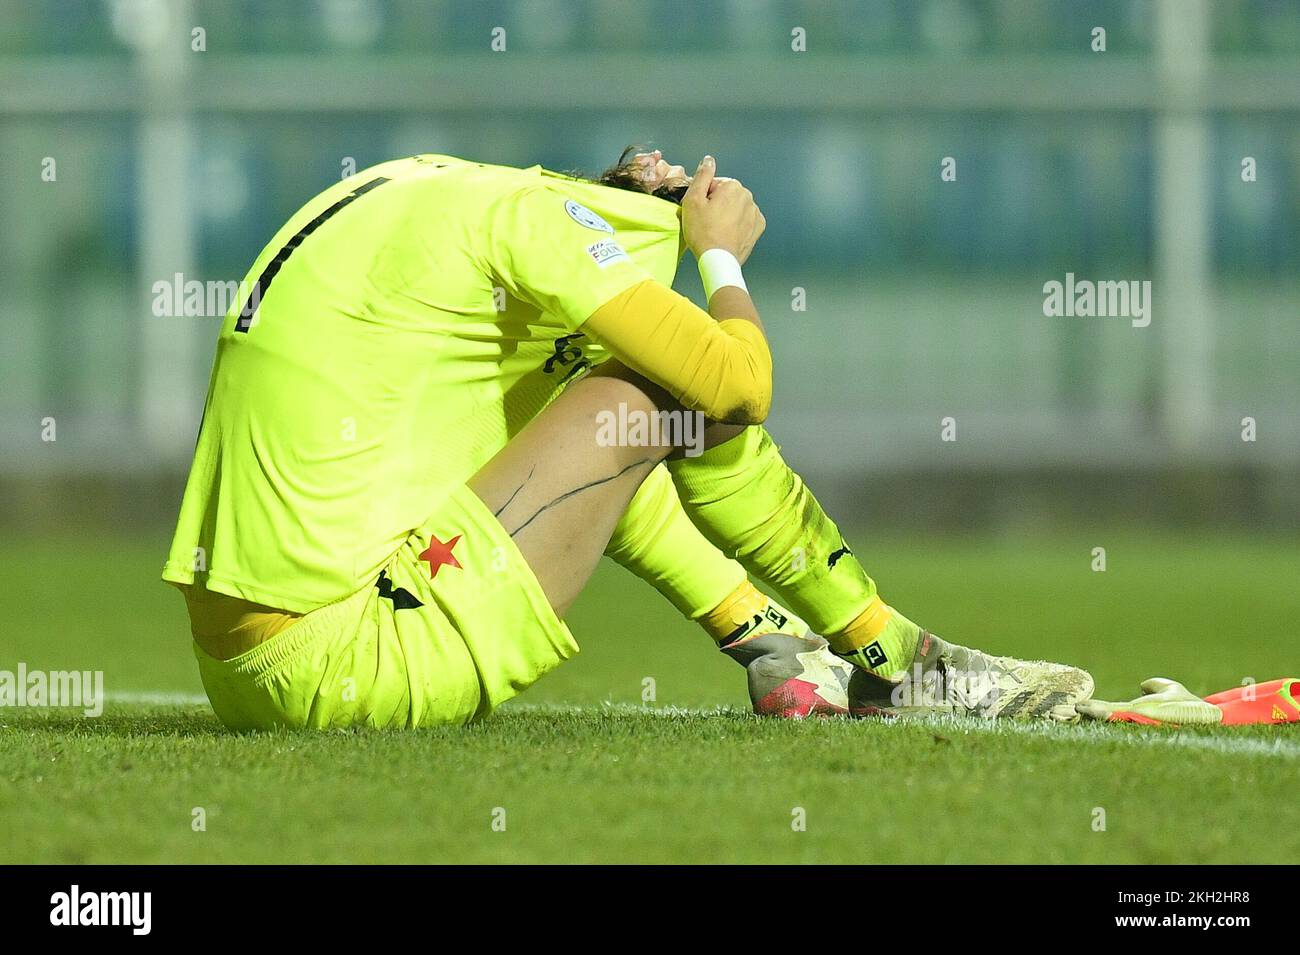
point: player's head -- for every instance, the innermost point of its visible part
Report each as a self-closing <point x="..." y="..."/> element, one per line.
<point x="644" y="170"/>
<point x="651" y="232"/>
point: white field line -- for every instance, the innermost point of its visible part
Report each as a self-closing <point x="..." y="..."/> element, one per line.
<point x="1150" y="737"/>
<point x="1056" y="732"/>
<point x="157" y="699"/>
<point x="1098" y="734"/>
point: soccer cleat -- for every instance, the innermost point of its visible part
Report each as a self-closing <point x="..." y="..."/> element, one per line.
<point x="792" y="677"/>
<point x="946" y="678"/>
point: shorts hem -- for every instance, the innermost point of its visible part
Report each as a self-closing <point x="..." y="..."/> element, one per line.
<point x="270" y="655"/>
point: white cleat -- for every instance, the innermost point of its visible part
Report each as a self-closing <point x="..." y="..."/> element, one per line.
<point x="946" y="678"/>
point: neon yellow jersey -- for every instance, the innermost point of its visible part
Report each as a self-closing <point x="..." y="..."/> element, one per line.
<point x="396" y="332"/>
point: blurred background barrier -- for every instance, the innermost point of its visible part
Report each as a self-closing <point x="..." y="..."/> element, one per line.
<point x="926" y="167"/>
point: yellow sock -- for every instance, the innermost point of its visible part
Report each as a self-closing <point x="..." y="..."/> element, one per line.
<point x="879" y="639"/>
<point x="747" y="611"/>
<point x="657" y="541"/>
<point x="745" y="499"/>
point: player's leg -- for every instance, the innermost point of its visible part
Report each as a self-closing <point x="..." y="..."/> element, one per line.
<point x="558" y="491"/>
<point x="656" y="540"/>
<point x="560" y="495"/>
<point x="745" y="499"/>
<point x="789" y="672"/>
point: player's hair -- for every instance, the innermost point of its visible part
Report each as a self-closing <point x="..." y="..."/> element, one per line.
<point x="627" y="174"/>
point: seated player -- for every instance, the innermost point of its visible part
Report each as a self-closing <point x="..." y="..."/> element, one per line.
<point x="390" y="508"/>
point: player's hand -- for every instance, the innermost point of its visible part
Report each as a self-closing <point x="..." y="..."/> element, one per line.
<point x="1165" y="701"/>
<point x="720" y="213"/>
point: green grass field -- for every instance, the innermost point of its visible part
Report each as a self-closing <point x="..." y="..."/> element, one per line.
<point x="586" y="772"/>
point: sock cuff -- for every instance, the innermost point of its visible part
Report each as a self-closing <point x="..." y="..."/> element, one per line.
<point x="741" y="606"/>
<point x="865" y="628"/>
<point x="737" y="607"/>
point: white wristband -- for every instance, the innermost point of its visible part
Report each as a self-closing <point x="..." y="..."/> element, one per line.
<point x="718" y="267"/>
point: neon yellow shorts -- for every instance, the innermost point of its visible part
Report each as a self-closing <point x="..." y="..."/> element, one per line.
<point x="455" y="625"/>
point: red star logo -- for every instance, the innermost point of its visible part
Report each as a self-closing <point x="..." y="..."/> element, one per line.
<point x="439" y="553"/>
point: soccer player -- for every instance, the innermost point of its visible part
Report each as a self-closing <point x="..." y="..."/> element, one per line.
<point x="395" y="496"/>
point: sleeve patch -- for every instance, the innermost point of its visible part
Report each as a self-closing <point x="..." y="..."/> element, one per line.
<point x="585" y="217"/>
